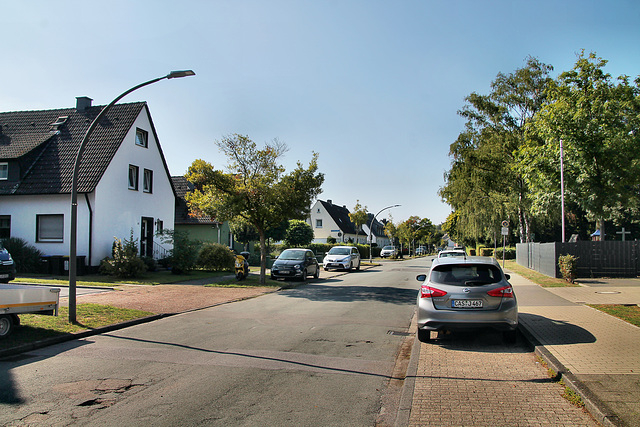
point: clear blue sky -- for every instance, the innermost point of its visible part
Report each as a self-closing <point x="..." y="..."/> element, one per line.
<point x="372" y="86"/>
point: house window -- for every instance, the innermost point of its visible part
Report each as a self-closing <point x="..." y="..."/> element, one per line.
<point x="4" y="171"/>
<point x="133" y="177"/>
<point x="159" y="226"/>
<point x="49" y="228"/>
<point x="147" y="181"/>
<point x="318" y="223"/>
<point x="5" y="226"/>
<point x="142" y="138"/>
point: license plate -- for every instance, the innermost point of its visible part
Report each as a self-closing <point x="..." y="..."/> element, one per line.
<point x="4" y="276"/>
<point x="466" y="303"/>
<point x="284" y="272"/>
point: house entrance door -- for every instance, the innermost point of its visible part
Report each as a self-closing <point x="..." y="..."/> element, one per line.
<point x="146" y="236"/>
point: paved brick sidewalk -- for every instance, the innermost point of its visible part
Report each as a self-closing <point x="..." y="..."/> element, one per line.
<point x="598" y="352"/>
<point x="476" y="380"/>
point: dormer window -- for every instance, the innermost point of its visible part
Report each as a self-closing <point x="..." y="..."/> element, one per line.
<point x="142" y="138"/>
<point x="4" y="171"/>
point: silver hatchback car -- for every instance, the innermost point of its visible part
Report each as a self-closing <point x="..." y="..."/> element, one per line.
<point x="466" y="293"/>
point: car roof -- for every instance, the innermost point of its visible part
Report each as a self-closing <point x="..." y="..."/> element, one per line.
<point x="344" y="246"/>
<point x="297" y="249"/>
<point x="467" y="260"/>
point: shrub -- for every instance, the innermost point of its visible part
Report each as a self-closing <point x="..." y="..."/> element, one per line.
<point x="26" y="257"/>
<point x="486" y="251"/>
<point x="331" y="240"/>
<point x="472" y="252"/>
<point x="125" y="262"/>
<point x="509" y="253"/>
<point x="216" y="257"/>
<point x="184" y="254"/>
<point x="568" y="267"/>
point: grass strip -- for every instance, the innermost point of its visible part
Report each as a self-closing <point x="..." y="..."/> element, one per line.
<point x="34" y="327"/>
<point x="539" y="278"/>
<point x="628" y="313"/>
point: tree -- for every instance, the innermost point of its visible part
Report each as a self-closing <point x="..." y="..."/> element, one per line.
<point x="255" y="187"/>
<point x="482" y="186"/>
<point x="358" y="217"/>
<point x="598" y="122"/>
<point x="299" y="233"/>
<point x="243" y="233"/>
<point x="390" y="230"/>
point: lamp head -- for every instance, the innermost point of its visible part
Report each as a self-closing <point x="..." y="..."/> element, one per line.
<point x="178" y="74"/>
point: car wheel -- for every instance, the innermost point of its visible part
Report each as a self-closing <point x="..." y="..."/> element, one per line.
<point x="350" y="267"/>
<point x="6" y="325"/>
<point x="424" y="335"/>
<point x="358" y="267"/>
<point x="304" y="275"/>
<point x="317" y="275"/>
<point x="326" y="269"/>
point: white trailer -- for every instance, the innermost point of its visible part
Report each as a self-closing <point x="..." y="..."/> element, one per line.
<point x="23" y="299"/>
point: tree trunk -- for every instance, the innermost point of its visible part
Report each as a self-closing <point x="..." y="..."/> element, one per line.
<point x="601" y="228"/>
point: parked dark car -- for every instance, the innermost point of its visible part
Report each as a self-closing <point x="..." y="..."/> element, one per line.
<point x="295" y="264"/>
<point x="7" y="266"/>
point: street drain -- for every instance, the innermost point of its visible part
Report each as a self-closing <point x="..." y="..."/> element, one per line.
<point x="608" y="292"/>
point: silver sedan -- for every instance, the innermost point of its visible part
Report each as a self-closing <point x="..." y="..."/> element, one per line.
<point x="466" y="293"/>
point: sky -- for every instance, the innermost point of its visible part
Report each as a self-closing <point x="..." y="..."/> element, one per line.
<point x="374" y="87"/>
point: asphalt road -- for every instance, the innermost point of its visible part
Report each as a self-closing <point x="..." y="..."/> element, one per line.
<point x="321" y="354"/>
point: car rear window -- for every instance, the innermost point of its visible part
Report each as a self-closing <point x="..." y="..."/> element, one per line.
<point x="465" y="274"/>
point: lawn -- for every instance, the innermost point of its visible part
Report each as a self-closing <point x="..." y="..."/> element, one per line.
<point x="628" y="313"/>
<point x="149" y="278"/>
<point x="539" y="278"/>
<point x="35" y="327"/>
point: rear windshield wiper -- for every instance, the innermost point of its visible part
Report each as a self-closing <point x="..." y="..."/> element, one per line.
<point x="477" y="282"/>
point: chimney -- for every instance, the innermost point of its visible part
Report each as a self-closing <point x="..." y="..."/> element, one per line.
<point x="83" y="102"/>
<point x="329" y="201"/>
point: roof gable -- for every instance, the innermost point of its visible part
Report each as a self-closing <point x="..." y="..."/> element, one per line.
<point x="51" y="170"/>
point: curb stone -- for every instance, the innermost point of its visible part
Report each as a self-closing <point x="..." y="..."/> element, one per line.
<point x="598" y="409"/>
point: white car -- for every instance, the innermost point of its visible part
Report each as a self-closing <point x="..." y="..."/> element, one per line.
<point x="452" y="253"/>
<point x="388" y="251"/>
<point x="342" y="257"/>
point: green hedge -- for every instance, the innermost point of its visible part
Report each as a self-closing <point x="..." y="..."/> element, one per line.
<point x="486" y="251"/>
<point x="509" y="253"/>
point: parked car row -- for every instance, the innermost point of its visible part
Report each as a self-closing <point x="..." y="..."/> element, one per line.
<point x="302" y="263"/>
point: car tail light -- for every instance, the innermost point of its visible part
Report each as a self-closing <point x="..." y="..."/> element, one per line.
<point x="429" y="292"/>
<point x="505" y="292"/>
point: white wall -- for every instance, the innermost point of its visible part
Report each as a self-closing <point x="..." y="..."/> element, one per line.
<point x="24" y="209"/>
<point x="117" y="209"/>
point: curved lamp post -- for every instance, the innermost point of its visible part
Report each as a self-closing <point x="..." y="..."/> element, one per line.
<point x="74" y="187"/>
<point x="371" y="228"/>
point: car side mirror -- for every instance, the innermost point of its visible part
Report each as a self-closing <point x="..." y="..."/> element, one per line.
<point x="507" y="276"/>
<point x="421" y="277"/>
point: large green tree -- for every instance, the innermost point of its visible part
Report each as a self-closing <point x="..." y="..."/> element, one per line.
<point x="598" y="121"/>
<point x="254" y="188"/>
<point x="482" y="186"/>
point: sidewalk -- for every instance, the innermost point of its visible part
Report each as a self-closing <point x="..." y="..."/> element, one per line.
<point x="597" y="354"/>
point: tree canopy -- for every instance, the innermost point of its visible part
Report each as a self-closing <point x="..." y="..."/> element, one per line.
<point x="255" y="188"/>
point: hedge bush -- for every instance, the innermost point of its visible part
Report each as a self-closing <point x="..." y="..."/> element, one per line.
<point x="216" y="257"/>
<point x="26" y="257"/>
<point x="486" y="251"/>
<point x="568" y="267"/>
<point x="509" y="253"/>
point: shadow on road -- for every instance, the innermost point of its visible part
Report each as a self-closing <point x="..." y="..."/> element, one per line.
<point x="322" y="292"/>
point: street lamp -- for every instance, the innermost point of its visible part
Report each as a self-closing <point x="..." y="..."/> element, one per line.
<point x="562" y="185"/>
<point x="74" y="187"/>
<point x="371" y="228"/>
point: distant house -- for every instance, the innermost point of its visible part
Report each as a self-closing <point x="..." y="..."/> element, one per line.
<point x="124" y="185"/>
<point x="329" y="220"/>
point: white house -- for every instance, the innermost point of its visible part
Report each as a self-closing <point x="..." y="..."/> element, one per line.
<point x="329" y="220"/>
<point x="124" y="184"/>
